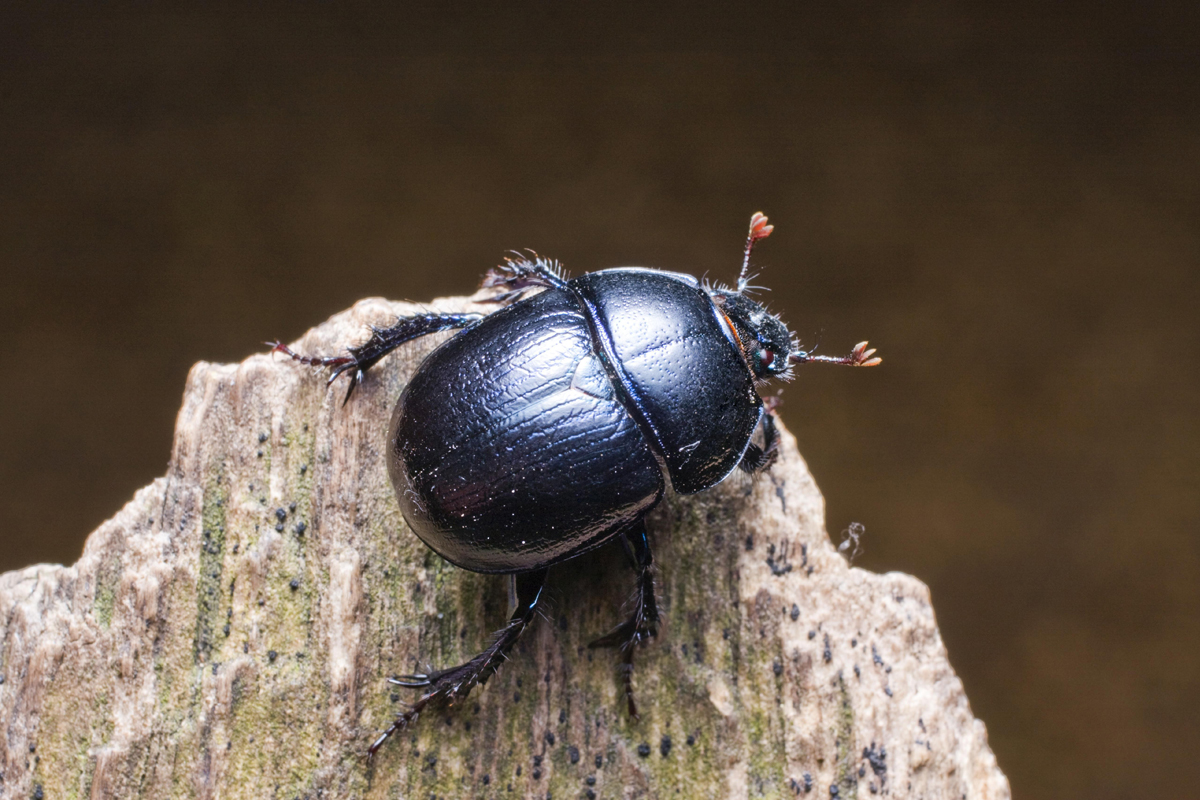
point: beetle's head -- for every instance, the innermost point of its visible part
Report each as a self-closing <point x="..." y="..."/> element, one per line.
<point x="765" y="341"/>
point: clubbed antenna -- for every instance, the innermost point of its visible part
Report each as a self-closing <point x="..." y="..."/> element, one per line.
<point x="759" y="229"/>
<point x="860" y="356"/>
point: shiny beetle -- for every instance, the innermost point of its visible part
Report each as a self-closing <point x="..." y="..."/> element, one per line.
<point x="553" y="425"/>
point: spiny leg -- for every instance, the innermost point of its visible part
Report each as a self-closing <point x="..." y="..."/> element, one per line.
<point x="447" y="686"/>
<point x="642" y="624"/>
<point x="756" y="458"/>
<point x="519" y="273"/>
<point x="382" y="342"/>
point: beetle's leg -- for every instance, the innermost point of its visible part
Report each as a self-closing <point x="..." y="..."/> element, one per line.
<point x="383" y="341"/>
<point x="518" y="274"/>
<point x="642" y="624"/>
<point x="758" y="459"/>
<point x="449" y="685"/>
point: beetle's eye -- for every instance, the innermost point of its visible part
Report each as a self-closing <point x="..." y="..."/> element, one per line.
<point x="766" y="357"/>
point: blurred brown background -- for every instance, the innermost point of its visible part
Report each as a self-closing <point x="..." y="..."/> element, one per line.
<point x="1003" y="197"/>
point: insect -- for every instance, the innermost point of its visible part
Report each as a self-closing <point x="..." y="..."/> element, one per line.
<point x="554" y="425"/>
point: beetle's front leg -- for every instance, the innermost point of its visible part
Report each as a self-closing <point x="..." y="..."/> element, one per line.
<point x="642" y="624"/>
<point x="758" y="459"/>
<point x="383" y="341"/>
<point x="518" y="274"/>
<point x="449" y="685"/>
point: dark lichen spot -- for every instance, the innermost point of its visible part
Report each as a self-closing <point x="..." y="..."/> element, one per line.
<point x="272" y="655"/>
<point x="262" y="437"/>
<point x="573" y="754"/>
<point x="833" y="790"/>
<point x="777" y="668"/>
<point x="795" y="612"/>
<point x="749" y="543"/>
<point x="781" y="566"/>
<point x="590" y="794"/>
<point x="599" y="762"/>
<point x="812" y="635"/>
<point x="827" y="653"/>
<point x="486" y="779"/>
<point x="38" y="794"/>
<point x="643" y="750"/>
<point x="279" y="527"/>
<point x="887" y="690"/>
<point x="516" y="697"/>
<point x="691" y="740"/>
<point x="537" y="774"/>
<point x="260" y="454"/>
<point x="280" y="514"/>
<point x="300" y="528"/>
<point x="664" y="746"/>
<point x="295" y="584"/>
<point x="303" y="468"/>
<point x="550" y="738"/>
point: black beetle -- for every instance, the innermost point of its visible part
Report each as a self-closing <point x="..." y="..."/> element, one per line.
<point x="553" y="425"/>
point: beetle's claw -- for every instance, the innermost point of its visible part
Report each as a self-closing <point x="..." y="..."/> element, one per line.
<point x="401" y="722"/>
<point x="629" y="633"/>
<point x="418" y="681"/>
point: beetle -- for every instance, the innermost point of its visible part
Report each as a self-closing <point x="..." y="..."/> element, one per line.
<point x="555" y="424"/>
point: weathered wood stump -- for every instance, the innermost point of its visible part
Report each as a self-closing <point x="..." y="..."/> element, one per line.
<point x="230" y="631"/>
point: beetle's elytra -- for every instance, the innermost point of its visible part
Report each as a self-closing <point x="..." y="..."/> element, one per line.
<point x="555" y="424"/>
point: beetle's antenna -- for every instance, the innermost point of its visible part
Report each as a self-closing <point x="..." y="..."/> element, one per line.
<point x="759" y="229"/>
<point x="860" y="356"/>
